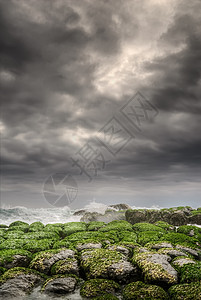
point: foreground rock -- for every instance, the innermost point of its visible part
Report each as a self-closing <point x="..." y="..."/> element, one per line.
<point x="156" y="268"/>
<point x="18" y="282"/>
<point x="104" y="263"/>
<point x="59" y="285"/>
<point x="97" y="287"/>
<point x="44" y="261"/>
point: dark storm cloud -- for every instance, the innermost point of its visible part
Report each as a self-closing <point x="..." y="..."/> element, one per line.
<point x="57" y="59"/>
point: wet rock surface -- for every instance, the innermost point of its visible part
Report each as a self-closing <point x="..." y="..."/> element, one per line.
<point x="106" y="257"/>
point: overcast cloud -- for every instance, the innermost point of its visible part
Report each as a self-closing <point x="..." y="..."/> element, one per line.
<point x="67" y="67"/>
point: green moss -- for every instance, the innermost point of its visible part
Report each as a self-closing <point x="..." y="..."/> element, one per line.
<point x="7" y="256"/>
<point x="16" y="234"/>
<point x="97" y="287"/>
<point x="54" y="228"/>
<point x="187" y="229"/>
<point x="117" y="225"/>
<point x="12" y="244"/>
<point x="18" y="223"/>
<point x="64" y="266"/>
<point x="153" y="272"/>
<point x="96" y="262"/>
<point x="36" y="226"/>
<point x="38" y="245"/>
<point x="145" y="237"/>
<point x="40" y="235"/>
<point x="139" y="290"/>
<point x="190" y="273"/>
<point x="164" y="225"/>
<point x="70" y="228"/>
<point x="127" y="236"/>
<point x="140" y="227"/>
<point x="14" y="272"/>
<point x="63" y="244"/>
<point x="190" y="291"/>
<point x="2" y="270"/>
<point x="179" y="238"/>
<point x="2" y="232"/>
<point x="23" y="228"/>
<point x="95" y="225"/>
<point x="3" y="226"/>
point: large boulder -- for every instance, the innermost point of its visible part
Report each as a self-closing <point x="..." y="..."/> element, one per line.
<point x="97" y="287"/>
<point x="120" y="206"/>
<point x="156" y="268"/>
<point x="17" y="282"/>
<point x="59" y="285"/>
<point x="140" y="290"/>
<point x="105" y="263"/>
<point x="43" y="261"/>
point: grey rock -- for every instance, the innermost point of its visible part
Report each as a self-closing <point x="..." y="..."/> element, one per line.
<point x="17" y="261"/>
<point x="162" y="245"/>
<point x="122" y="271"/>
<point x="45" y="264"/>
<point x="89" y="246"/>
<point x="183" y="261"/>
<point x="120" y="249"/>
<point x="62" y="285"/>
<point x="120" y="206"/>
<point x="19" y="286"/>
<point x="188" y="250"/>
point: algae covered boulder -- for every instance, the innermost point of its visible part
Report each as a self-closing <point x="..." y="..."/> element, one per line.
<point x="139" y="290"/>
<point x="14" y="258"/>
<point x="18" y="282"/>
<point x="156" y="268"/>
<point x="104" y="263"/>
<point x="43" y="261"/>
<point x="97" y="287"/>
<point x="190" y="291"/>
<point x="59" y="285"/>
<point x="65" y="266"/>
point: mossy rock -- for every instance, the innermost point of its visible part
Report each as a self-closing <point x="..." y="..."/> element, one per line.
<point x="23" y="228"/>
<point x="65" y="266"/>
<point x="164" y="225"/>
<point x="73" y="227"/>
<point x="12" y="244"/>
<point x="117" y="225"/>
<point x="63" y="244"/>
<point x="16" y="234"/>
<point x="187" y="229"/>
<point x="106" y="297"/>
<point x="105" y="263"/>
<point x="18" y="223"/>
<point x="179" y="238"/>
<point x="95" y="225"/>
<point x="179" y="262"/>
<point x="127" y="236"/>
<point x="54" y="228"/>
<point x="3" y="226"/>
<point x="156" y="268"/>
<point x="2" y="270"/>
<point x="94" y="236"/>
<point x="43" y="261"/>
<point x="38" y="245"/>
<point x="15" y="258"/>
<point x="97" y="287"/>
<point x="145" y="237"/>
<point x="36" y="226"/>
<point x="139" y="227"/>
<point x="190" y="273"/>
<point x="14" y="272"/>
<point x="139" y="290"/>
<point x="190" y="291"/>
<point x="40" y="235"/>
<point x="60" y="285"/>
<point x="2" y="232"/>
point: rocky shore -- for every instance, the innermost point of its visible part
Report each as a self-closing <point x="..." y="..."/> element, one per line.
<point x="123" y="254"/>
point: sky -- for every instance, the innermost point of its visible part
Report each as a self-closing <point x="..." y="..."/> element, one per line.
<point x="71" y="76"/>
